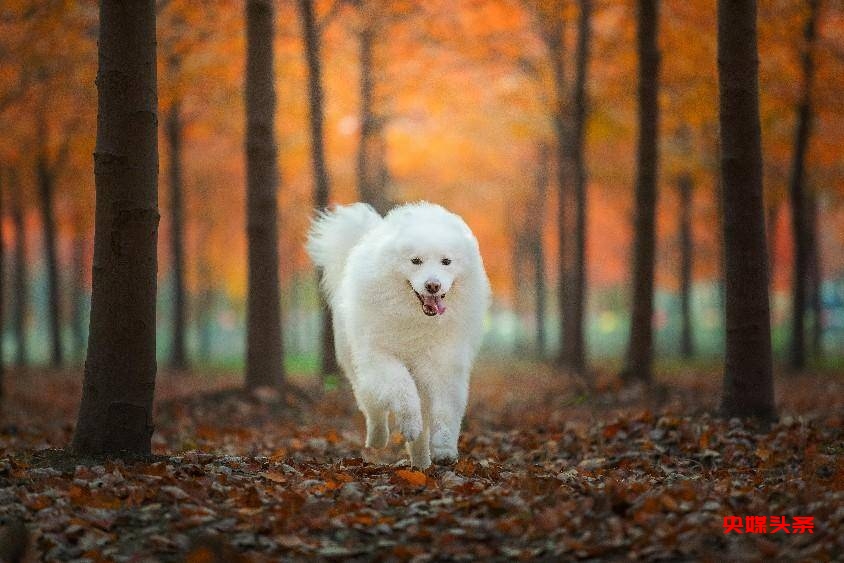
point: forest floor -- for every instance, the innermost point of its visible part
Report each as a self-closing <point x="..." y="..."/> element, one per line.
<point x="547" y="472"/>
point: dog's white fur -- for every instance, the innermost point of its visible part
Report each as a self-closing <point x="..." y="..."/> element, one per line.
<point x="398" y="359"/>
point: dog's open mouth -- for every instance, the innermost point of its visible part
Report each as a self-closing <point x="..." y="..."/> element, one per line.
<point x="432" y="305"/>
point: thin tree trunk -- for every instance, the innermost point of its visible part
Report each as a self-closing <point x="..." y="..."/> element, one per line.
<point x="78" y="305"/>
<point x="816" y="275"/>
<point x="577" y="354"/>
<point x="748" y="381"/>
<point x="800" y="230"/>
<point x="175" y="134"/>
<point x="205" y="302"/>
<point x="684" y="185"/>
<point x="640" y="352"/>
<point x="368" y="153"/>
<point x="116" y="411"/>
<point x="19" y="290"/>
<point x="517" y="259"/>
<point x="311" y="35"/>
<point x="538" y="250"/>
<point x="46" y="189"/>
<point x="264" y="359"/>
<point x="556" y="48"/>
<point x="2" y="283"/>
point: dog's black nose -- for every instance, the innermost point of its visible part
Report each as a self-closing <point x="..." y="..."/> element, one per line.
<point x="433" y="286"/>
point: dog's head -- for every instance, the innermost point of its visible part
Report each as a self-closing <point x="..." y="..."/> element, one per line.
<point x="434" y="252"/>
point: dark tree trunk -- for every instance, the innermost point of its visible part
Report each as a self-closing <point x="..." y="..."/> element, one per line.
<point x="19" y="291"/>
<point x="203" y="315"/>
<point x="555" y="42"/>
<point x="371" y="167"/>
<point x="311" y="34"/>
<point x="748" y="381"/>
<point x="640" y="351"/>
<point x="80" y="260"/>
<point x="46" y="188"/>
<point x="517" y="258"/>
<point x="2" y="282"/>
<point x="816" y="275"/>
<point x="175" y="134"/>
<point x="264" y="359"/>
<point x="538" y="249"/>
<point x="116" y="411"/>
<point x="800" y="228"/>
<point x="577" y="353"/>
<point x="684" y="185"/>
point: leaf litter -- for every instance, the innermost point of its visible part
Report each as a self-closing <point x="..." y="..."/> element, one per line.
<point x="546" y="471"/>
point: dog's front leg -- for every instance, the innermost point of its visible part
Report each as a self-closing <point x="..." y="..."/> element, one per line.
<point x="449" y="396"/>
<point x="419" y="449"/>
<point x="384" y="385"/>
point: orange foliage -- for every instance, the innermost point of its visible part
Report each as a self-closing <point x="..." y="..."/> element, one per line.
<point x="465" y="88"/>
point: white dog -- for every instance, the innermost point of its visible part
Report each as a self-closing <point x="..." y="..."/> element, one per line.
<point x="409" y="293"/>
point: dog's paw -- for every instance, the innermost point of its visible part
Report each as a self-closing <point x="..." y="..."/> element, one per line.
<point x="443" y="446"/>
<point x="444" y="456"/>
<point x="409" y="423"/>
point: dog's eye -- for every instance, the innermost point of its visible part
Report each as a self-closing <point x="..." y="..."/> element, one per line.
<point x="416" y="260"/>
<point x="445" y="261"/>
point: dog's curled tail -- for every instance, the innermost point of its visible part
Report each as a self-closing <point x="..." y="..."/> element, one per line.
<point x="332" y="236"/>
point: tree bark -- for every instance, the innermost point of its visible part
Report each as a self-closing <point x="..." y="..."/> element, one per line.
<point x="640" y="351"/>
<point x="264" y="359"/>
<point x="2" y="282"/>
<point x="799" y="223"/>
<point x="20" y="290"/>
<point x="371" y="168"/>
<point x="685" y="186"/>
<point x="311" y="34"/>
<point x="175" y="134"/>
<point x="515" y="224"/>
<point x="46" y="188"/>
<point x="555" y="42"/>
<point x="80" y="253"/>
<point x="538" y="250"/>
<point x="577" y="353"/>
<point x="115" y="416"/>
<point x="748" y="381"/>
<point x="815" y="274"/>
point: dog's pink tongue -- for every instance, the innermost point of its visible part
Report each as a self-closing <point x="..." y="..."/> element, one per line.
<point x="433" y="305"/>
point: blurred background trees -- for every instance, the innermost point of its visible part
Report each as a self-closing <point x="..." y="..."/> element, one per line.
<point x="519" y="115"/>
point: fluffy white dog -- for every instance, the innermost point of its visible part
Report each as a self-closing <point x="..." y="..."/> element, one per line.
<point x="408" y="293"/>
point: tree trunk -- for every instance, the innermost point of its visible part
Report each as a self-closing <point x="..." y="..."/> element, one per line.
<point x="577" y="353"/>
<point x="748" y="381"/>
<point x="46" y="188"/>
<point x="556" y="48"/>
<point x="684" y="185"/>
<point x="264" y="359"/>
<point x="311" y="35"/>
<point x="80" y="260"/>
<point x="816" y="275"/>
<point x="175" y="134"/>
<point x="640" y="351"/>
<point x="370" y="170"/>
<point x="517" y="260"/>
<point x="20" y="289"/>
<point x="800" y="230"/>
<point x="116" y="411"/>
<point x="538" y="250"/>
<point x="2" y="283"/>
